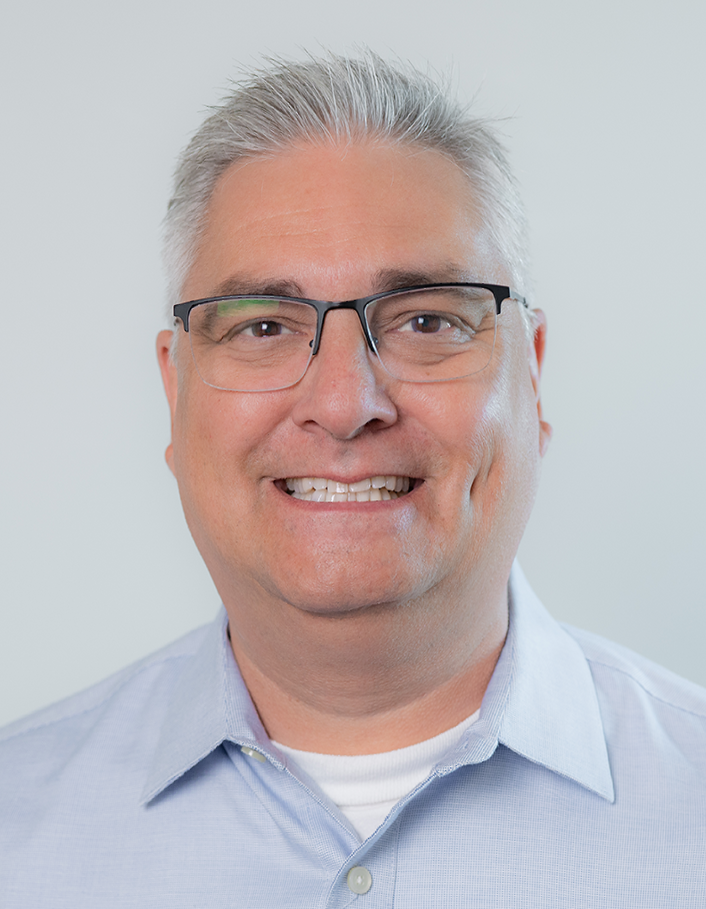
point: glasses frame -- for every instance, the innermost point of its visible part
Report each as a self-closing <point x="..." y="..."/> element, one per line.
<point x="500" y="292"/>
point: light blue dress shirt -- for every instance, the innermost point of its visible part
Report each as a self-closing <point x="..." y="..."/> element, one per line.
<point x="583" y="784"/>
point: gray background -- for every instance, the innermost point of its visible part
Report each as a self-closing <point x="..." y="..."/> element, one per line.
<point x="604" y="118"/>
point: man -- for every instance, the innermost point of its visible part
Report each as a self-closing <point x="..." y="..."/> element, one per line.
<point x="383" y="711"/>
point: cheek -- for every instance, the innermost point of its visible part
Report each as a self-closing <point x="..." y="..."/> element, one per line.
<point x="496" y="447"/>
<point x="477" y="426"/>
<point x="210" y="442"/>
<point x="223" y="444"/>
<point x="485" y="439"/>
<point x="509" y="476"/>
<point x="216" y="430"/>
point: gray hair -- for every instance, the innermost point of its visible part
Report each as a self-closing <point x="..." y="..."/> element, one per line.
<point x="328" y="100"/>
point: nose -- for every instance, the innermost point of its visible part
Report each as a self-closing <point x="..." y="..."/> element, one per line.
<point x="344" y="391"/>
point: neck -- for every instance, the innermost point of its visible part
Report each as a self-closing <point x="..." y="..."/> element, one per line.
<point x="369" y="681"/>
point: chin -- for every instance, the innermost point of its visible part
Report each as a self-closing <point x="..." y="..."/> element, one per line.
<point x="339" y="590"/>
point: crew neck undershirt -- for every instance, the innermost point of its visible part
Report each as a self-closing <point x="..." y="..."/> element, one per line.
<point x="366" y="787"/>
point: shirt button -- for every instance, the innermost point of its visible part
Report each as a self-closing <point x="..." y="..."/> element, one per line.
<point x="253" y="754"/>
<point x="359" y="879"/>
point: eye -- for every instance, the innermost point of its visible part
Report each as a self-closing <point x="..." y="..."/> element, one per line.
<point x="433" y="323"/>
<point x="427" y="323"/>
<point x="264" y="329"/>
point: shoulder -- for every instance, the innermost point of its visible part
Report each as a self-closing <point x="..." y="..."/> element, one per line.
<point x="643" y="705"/>
<point x="72" y="775"/>
<point x="609" y="659"/>
<point x="147" y="682"/>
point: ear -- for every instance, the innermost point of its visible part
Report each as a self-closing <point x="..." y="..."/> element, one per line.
<point x="170" y="379"/>
<point x="536" y="360"/>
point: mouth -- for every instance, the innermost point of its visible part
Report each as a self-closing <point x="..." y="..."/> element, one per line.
<point x="371" y="489"/>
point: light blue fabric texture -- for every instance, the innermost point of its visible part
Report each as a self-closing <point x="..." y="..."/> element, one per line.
<point x="583" y="784"/>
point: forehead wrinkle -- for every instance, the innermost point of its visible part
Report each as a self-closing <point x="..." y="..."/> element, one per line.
<point x="325" y="243"/>
<point x="312" y="229"/>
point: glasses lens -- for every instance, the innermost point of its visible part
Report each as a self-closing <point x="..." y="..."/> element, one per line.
<point x="252" y="343"/>
<point x="434" y="334"/>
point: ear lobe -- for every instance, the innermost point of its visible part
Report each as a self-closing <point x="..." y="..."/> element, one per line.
<point x="536" y="361"/>
<point x="170" y="380"/>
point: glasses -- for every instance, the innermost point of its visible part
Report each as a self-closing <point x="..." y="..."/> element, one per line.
<point x="258" y="342"/>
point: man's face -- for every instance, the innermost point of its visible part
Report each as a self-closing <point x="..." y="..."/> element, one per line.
<point x="337" y="223"/>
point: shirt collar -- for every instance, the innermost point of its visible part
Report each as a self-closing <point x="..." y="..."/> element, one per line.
<point x="541" y="703"/>
<point x="209" y="705"/>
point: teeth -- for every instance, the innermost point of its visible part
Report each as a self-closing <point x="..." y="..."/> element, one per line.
<point x="360" y="486"/>
<point x="373" y="489"/>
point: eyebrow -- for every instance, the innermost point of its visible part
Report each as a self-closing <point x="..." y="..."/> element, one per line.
<point x="237" y="285"/>
<point x="384" y="280"/>
<point x="393" y="278"/>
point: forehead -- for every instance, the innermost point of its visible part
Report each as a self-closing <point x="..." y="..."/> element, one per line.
<point x="340" y="215"/>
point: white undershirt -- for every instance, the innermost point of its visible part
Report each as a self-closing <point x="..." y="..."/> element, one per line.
<point x="366" y="787"/>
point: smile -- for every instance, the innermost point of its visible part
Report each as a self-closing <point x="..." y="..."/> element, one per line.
<point x="372" y="489"/>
